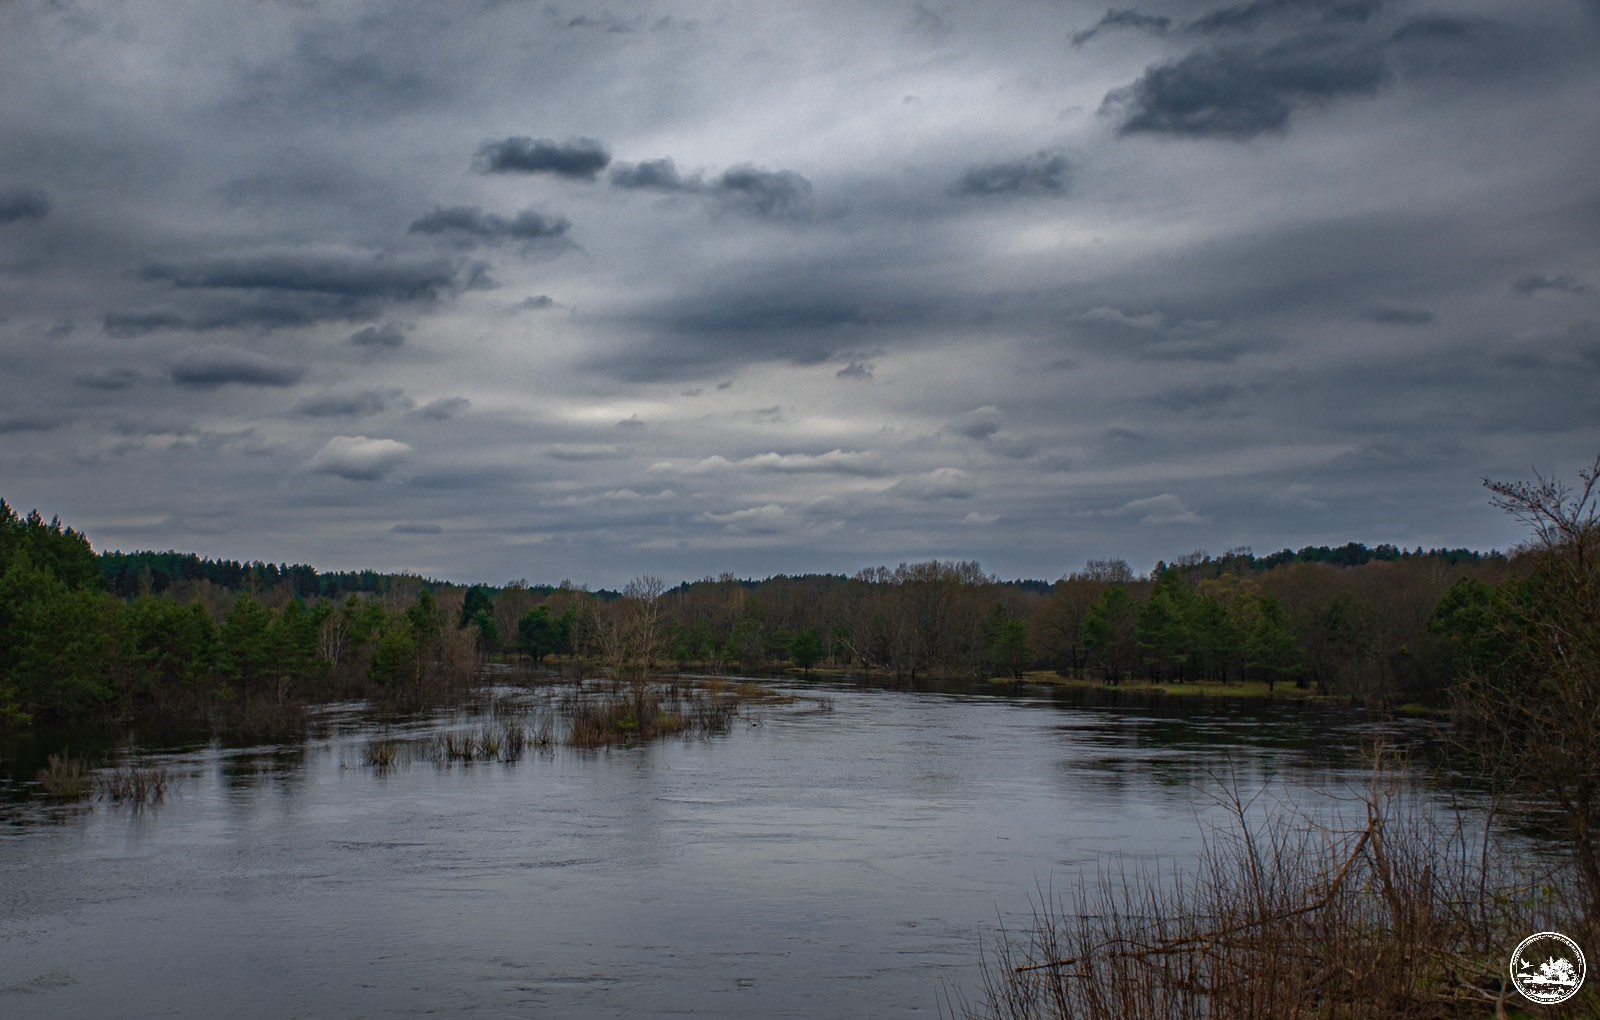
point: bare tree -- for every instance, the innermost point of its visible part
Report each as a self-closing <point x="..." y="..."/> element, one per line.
<point x="1534" y="716"/>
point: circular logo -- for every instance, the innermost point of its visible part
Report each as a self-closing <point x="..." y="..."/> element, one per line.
<point x="1547" y="968"/>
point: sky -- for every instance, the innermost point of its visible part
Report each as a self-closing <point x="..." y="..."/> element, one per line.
<point x="490" y="290"/>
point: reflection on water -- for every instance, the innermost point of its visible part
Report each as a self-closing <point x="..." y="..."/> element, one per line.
<point x="806" y="863"/>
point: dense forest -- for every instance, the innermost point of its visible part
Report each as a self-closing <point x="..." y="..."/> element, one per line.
<point x="118" y="634"/>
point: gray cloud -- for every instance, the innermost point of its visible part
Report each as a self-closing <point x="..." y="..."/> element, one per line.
<point x="110" y="379"/>
<point x="28" y="423"/>
<point x="578" y="158"/>
<point x="977" y="424"/>
<point x="1043" y="173"/>
<point x="1399" y="315"/>
<point x="1240" y="17"/>
<point x="1533" y="283"/>
<point x="389" y="335"/>
<point x="654" y="174"/>
<point x="212" y="368"/>
<point x="1199" y="398"/>
<point x="19" y="204"/>
<point x="349" y="405"/>
<point x="473" y="223"/>
<point x="415" y="528"/>
<point x="1116" y="18"/>
<point x="770" y="194"/>
<point x="359" y="459"/>
<point x="347" y="276"/>
<point x="444" y="408"/>
<point x="537" y="302"/>
<point x="1240" y="92"/>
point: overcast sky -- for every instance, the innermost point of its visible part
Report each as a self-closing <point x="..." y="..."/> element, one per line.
<point x="499" y="289"/>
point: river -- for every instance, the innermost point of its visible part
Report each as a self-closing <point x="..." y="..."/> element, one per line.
<point x="840" y="856"/>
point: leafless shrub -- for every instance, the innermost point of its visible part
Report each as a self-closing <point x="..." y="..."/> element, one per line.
<point x="134" y="783"/>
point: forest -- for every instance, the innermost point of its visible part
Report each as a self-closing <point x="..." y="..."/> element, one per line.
<point x="115" y="634"/>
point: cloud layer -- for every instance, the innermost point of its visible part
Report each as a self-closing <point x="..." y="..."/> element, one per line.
<point x="513" y="290"/>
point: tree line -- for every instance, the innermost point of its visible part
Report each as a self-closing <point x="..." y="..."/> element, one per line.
<point x="143" y="632"/>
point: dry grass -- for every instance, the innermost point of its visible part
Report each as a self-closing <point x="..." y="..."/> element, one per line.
<point x="1405" y="917"/>
<point x="381" y="752"/>
<point x="66" y="777"/>
<point x="645" y="712"/>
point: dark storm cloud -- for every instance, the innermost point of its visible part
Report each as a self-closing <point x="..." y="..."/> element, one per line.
<point x="469" y="221"/>
<point x="1241" y="92"/>
<point x="1043" y="173"/>
<point x="210" y="369"/>
<point x="389" y="335"/>
<point x="1536" y="282"/>
<point x="769" y="194"/>
<point x="18" y="204"/>
<point x="1399" y="315"/>
<point x="349" y="405"/>
<point x="1115" y="18"/>
<point x="578" y="158"/>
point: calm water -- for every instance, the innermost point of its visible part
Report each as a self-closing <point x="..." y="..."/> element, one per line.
<point x="841" y="863"/>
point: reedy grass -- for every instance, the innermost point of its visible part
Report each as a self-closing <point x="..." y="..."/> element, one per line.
<point x="1408" y="916"/>
<point x="66" y="777"/>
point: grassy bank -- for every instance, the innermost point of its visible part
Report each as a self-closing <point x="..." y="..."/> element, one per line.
<point x="1191" y="689"/>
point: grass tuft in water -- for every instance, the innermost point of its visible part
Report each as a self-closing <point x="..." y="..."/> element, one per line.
<point x="381" y="752"/>
<point x="66" y="777"/>
<point x="134" y="783"/>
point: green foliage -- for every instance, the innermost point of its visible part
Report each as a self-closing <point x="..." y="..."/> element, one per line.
<point x="60" y="552"/>
<point x="168" y="646"/>
<point x="1270" y="651"/>
<point x="57" y="644"/>
<point x="488" y="631"/>
<point x="537" y="634"/>
<point x="1005" y="639"/>
<point x="394" y="657"/>
<point x="805" y="650"/>
<point x="246" y="652"/>
<point x="1109" y="632"/>
<point x="479" y="601"/>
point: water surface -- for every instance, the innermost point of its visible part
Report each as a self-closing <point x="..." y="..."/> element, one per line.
<point x="808" y="863"/>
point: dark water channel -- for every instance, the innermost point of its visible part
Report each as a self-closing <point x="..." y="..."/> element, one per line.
<point x="814" y="863"/>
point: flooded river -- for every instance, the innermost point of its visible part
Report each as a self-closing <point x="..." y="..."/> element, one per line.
<point x="839" y="856"/>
